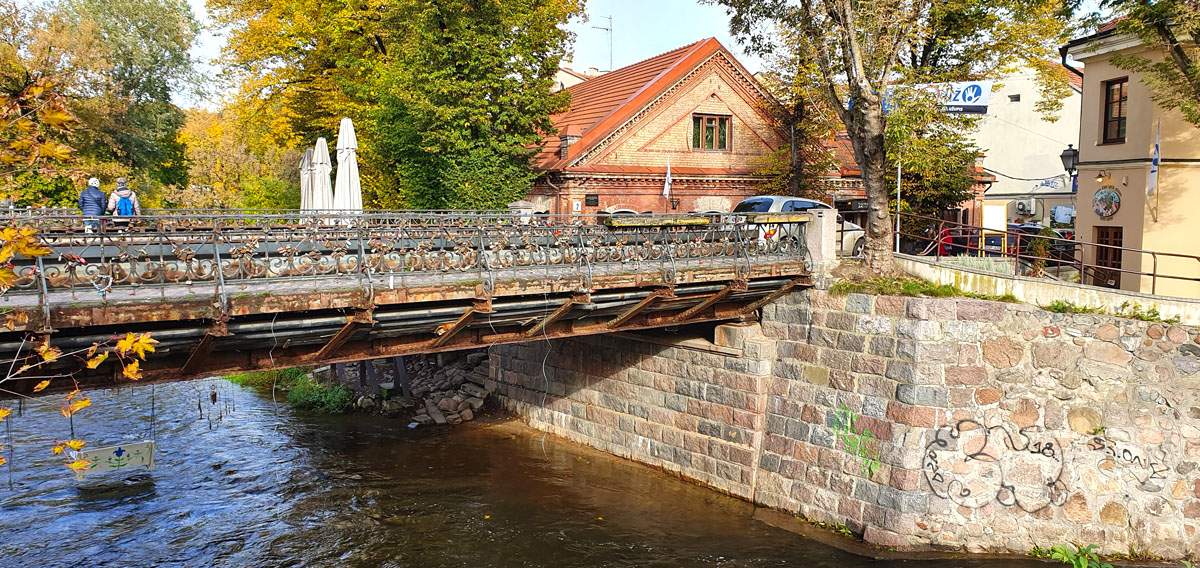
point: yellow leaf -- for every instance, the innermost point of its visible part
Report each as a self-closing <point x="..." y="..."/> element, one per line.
<point x="55" y="151"/>
<point x="95" y="361"/>
<point x="3" y="461"/>
<point x="22" y="369"/>
<point x="143" y="345"/>
<point x="76" y="406"/>
<point x="79" y="465"/>
<point x="48" y="353"/>
<point x="57" y="449"/>
<point x="4" y="412"/>
<point x="124" y="345"/>
<point x="71" y="394"/>
<point x="132" y="372"/>
<point x="57" y="117"/>
<point x="75" y="444"/>
<point x="41" y="386"/>
<point x="13" y="319"/>
<point x="92" y="350"/>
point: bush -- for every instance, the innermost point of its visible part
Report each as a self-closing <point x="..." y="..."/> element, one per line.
<point x="278" y="378"/>
<point x="308" y="394"/>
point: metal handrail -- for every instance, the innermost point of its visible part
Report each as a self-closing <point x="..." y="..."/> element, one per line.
<point x="174" y="249"/>
<point x="1078" y="247"/>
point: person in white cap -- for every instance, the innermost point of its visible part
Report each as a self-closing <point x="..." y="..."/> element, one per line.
<point x="91" y="204"/>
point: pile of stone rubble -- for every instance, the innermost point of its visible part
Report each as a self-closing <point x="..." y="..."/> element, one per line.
<point x="446" y="389"/>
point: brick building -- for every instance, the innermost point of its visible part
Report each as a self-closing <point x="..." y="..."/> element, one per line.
<point x="696" y="108"/>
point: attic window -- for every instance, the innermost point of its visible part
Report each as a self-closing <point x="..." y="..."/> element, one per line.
<point x="711" y="132"/>
<point x="1014" y="98"/>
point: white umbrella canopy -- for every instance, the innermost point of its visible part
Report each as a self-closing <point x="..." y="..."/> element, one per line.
<point x="306" y="181"/>
<point x="347" y="193"/>
<point x="321" y="166"/>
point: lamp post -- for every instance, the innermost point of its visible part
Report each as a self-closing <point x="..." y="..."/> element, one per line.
<point x="1070" y="159"/>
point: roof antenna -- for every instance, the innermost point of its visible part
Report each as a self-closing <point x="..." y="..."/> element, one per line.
<point x="609" y="30"/>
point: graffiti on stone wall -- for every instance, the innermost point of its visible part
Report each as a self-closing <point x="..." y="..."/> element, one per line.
<point x="856" y="442"/>
<point x="1149" y="471"/>
<point x="973" y="465"/>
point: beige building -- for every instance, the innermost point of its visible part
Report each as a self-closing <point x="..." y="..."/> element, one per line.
<point x="1118" y="124"/>
<point x="1021" y="149"/>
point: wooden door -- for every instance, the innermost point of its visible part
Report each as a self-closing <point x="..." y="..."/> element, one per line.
<point x="1108" y="258"/>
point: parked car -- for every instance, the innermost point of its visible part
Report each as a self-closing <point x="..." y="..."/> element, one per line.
<point x="852" y="237"/>
<point x="1060" y="252"/>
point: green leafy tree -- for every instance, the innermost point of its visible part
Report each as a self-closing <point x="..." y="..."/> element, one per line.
<point x="858" y="49"/>
<point x="448" y="97"/>
<point x="1172" y="28"/>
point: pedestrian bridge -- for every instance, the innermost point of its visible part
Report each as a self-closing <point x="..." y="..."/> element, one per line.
<point x="236" y="291"/>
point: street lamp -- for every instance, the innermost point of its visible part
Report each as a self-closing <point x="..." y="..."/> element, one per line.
<point x="1070" y="159"/>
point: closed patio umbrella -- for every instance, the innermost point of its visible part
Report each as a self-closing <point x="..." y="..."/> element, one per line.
<point x="321" y="166"/>
<point x="306" y="181"/>
<point x="347" y="193"/>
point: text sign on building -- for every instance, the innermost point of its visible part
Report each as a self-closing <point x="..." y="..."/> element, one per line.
<point x="968" y="97"/>
<point x="963" y="97"/>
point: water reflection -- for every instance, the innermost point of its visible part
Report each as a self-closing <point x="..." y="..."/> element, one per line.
<point x="247" y="483"/>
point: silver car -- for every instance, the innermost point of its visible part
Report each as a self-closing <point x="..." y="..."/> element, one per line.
<point x="852" y="237"/>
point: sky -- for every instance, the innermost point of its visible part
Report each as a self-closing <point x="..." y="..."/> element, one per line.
<point x="645" y="28"/>
<point x="641" y="29"/>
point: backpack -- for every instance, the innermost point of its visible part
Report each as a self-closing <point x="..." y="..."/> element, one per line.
<point x="125" y="207"/>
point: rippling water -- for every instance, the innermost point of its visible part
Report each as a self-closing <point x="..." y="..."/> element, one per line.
<point x="255" y="484"/>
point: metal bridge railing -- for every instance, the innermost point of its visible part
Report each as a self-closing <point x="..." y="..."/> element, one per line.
<point x="940" y="237"/>
<point x="194" y="246"/>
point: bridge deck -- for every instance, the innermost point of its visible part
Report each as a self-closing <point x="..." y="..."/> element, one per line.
<point x="228" y="300"/>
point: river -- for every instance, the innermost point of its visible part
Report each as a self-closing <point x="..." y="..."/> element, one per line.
<point x="247" y="482"/>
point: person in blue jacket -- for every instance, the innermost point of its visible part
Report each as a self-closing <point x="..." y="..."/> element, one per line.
<point x="91" y="204"/>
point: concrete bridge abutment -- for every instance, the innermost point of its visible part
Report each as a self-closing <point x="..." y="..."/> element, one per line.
<point x="920" y="423"/>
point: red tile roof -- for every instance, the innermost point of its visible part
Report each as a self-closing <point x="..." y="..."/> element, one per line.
<point x="1076" y="81"/>
<point x="843" y="152"/>
<point x="602" y="104"/>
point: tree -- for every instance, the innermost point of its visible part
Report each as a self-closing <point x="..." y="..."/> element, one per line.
<point x="223" y="172"/>
<point x="1171" y="27"/>
<point x="113" y="66"/>
<point x="854" y="50"/>
<point x="449" y="96"/>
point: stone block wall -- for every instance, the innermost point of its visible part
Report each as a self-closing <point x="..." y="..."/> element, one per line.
<point x="693" y="413"/>
<point x="996" y="427"/>
<point x="921" y="423"/>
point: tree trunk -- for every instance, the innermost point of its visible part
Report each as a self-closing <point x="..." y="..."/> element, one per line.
<point x="866" y="133"/>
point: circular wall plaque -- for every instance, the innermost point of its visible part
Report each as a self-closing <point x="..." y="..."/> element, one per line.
<point x="1107" y="201"/>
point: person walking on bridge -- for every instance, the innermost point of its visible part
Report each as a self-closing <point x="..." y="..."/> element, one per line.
<point x="123" y="203"/>
<point x="91" y="204"/>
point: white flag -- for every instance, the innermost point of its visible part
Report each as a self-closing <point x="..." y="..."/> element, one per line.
<point x="667" y="183"/>
<point x="1152" y="181"/>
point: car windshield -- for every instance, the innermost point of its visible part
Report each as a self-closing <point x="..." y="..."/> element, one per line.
<point x="760" y="205"/>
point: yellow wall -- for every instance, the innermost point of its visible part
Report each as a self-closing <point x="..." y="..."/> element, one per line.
<point x="1175" y="225"/>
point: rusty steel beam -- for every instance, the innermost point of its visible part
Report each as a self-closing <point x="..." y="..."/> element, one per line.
<point x="638" y="308"/>
<point x="558" y="313"/>
<point x="212" y="356"/>
<point x="199" y="354"/>
<point x="225" y="362"/>
<point x="450" y="329"/>
<point x="353" y="323"/>
<point x="749" y="308"/>
<point x="735" y="286"/>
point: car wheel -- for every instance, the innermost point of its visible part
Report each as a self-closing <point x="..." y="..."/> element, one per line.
<point x="859" y="245"/>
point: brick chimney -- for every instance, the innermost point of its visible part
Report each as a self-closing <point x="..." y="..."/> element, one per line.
<point x="568" y="136"/>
